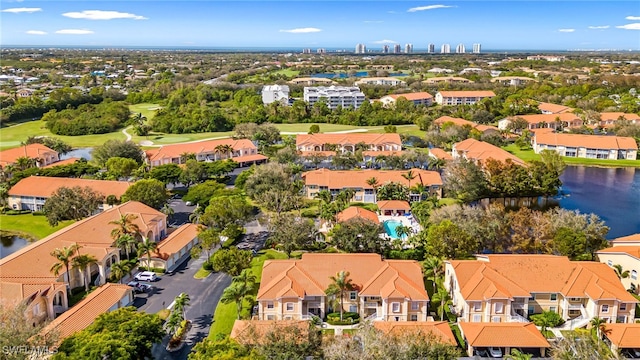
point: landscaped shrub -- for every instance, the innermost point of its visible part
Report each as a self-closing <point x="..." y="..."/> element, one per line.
<point x="207" y="266"/>
<point x="154" y="269"/>
<point x="38" y="213"/>
<point x="348" y="318"/>
<point x="17" y="212"/>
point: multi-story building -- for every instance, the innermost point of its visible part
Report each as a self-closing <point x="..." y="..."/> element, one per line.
<point x="397" y="49"/>
<point x="477" y="48"/>
<point x="431" y="48"/>
<point x="549" y="108"/>
<point x="462" y="97"/>
<point x="306" y="51"/>
<point x="460" y="49"/>
<point x="408" y="48"/>
<point x="586" y="146"/>
<point x="448" y="80"/>
<point x="480" y="152"/>
<point x="545" y="121"/>
<point x="311" y="81"/>
<point x="385" y="290"/>
<point x="463" y="122"/>
<point x="385" y="49"/>
<point x="371" y="144"/>
<point x="334" y="96"/>
<point x="335" y="181"/>
<point x="611" y="119"/>
<point x="625" y="252"/>
<point x="273" y="93"/>
<point x="361" y="49"/>
<point x="321" y="51"/>
<point x="242" y="151"/>
<point x="32" y="192"/>
<point x="387" y="81"/>
<point x="417" y="98"/>
<point x="445" y="49"/>
<point x="41" y="154"/>
<point x="510" y="288"/>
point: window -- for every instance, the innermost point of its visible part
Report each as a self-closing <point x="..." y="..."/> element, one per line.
<point x="552" y="309"/>
<point x="353" y="308"/>
<point x="289" y="306"/>
<point x="269" y="304"/>
<point x="623" y="307"/>
<point x="553" y="297"/>
<point x="415" y="305"/>
<point x="532" y="297"/>
<point x="353" y="295"/>
<point x="413" y="317"/>
<point x="609" y="262"/>
<point x="634" y="275"/>
<point x="477" y="318"/>
<point x="499" y="308"/>
<point x="395" y="307"/>
<point x="496" y="319"/>
<point x="477" y="306"/>
<point x="605" y="308"/>
<point x="271" y="317"/>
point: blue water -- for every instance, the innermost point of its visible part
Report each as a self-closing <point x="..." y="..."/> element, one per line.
<point x="390" y="228"/>
<point x="84" y="153"/>
<point x="346" y="75"/>
<point x="10" y="244"/>
<point x="611" y="193"/>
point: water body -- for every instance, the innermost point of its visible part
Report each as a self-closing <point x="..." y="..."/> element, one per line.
<point x="346" y="75"/>
<point x="10" y="244"/>
<point x="84" y="153"/>
<point x="611" y="193"/>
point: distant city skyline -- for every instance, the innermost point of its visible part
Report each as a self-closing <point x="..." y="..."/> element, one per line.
<point x="497" y="25"/>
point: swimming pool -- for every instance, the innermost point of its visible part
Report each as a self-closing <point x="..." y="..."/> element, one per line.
<point x="390" y="228"/>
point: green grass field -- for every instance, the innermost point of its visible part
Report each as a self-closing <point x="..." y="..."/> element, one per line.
<point x="529" y="155"/>
<point x="33" y="226"/>
<point x="148" y="110"/>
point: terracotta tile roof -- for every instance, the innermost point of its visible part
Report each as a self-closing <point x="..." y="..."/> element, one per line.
<point x="506" y="276"/>
<point x="615" y="115"/>
<point x="627" y="239"/>
<point x="446" y="78"/>
<point x="471" y="93"/>
<point x="553" y="108"/>
<point x="13" y="291"/>
<point x="440" y="154"/>
<point x="573" y="119"/>
<point x="84" y="313"/>
<point x="357" y="212"/>
<point x="462" y="122"/>
<point x="44" y="186"/>
<point x="252" y="331"/>
<point x="335" y="179"/>
<point x="33" y="262"/>
<point x="177" y="240"/>
<point x="68" y="161"/>
<point x="249" y="158"/>
<point x="31" y="151"/>
<point x="440" y="329"/>
<point x="624" y="336"/>
<point x="393" y="205"/>
<point x="348" y="139"/>
<point x="586" y="141"/>
<point x="372" y="275"/>
<point x="307" y="79"/>
<point x="208" y="146"/>
<point x="412" y="96"/>
<point x="518" y="335"/>
<point x="622" y="249"/>
<point x="482" y="151"/>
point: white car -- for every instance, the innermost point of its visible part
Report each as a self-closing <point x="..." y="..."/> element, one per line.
<point x="146" y="276"/>
<point x="495" y="352"/>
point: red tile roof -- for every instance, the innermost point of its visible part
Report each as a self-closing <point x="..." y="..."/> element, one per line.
<point x="631" y="250"/>
<point x="440" y="154"/>
<point x="468" y="93"/>
<point x="254" y="331"/>
<point x="514" y="335"/>
<point x="348" y="139"/>
<point x="624" y="336"/>
<point x="393" y="205"/>
<point x="412" y="96"/>
<point x="32" y="151"/>
<point x="553" y="108"/>
<point x="586" y="141"/>
<point x="44" y="186"/>
<point x="335" y="179"/>
<point x="440" y="329"/>
<point x="462" y="122"/>
<point x="198" y="147"/>
<point x="626" y="239"/>
<point x="68" y="161"/>
<point x="482" y="151"/>
<point x="177" y="240"/>
<point x="357" y="212"/>
<point x="551" y="118"/>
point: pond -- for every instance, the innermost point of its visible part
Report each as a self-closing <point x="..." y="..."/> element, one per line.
<point x="84" y="153"/>
<point x="343" y="75"/>
<point x="11" y="243"/>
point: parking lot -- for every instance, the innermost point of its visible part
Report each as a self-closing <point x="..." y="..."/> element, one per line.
<point x="253" y="241"/>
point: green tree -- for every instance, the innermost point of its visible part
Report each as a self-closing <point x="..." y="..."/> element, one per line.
<point x="168" y="173"/>
<point x="226" y="349"/>
<point x="441" y="300"/>
<point x="227" y="211"/>
<point x="569" y="242"/>
<point x="209" y="238"/>
<point x="125" y="225"/>
<point x="409" y="175"/>
<point x="121" y="167"/>
<point x="235" y="294"/>
<point x="117" y="148"/>
<point x="518" y="355"/>
<point x="547" y="319"/>
<point x="232" y="261"/>
<point x="201" y="193"/>
<point x="150" y="192"/>
<point x="448" y="240"/>
<point x="599" y="325"/>
<point x="292" y="233"/>
<point x="314" y="129"/>
<point x="146" y="247"/>
<point x="433" y="266"/>
<point x="74" y="203"/>
<point x="359" y="235"/>
<point x="17" y="329"/>
<point x="620" y="272"/>
<point x="465" y="180"/>
<point x="392" y="191"/>
<point x="119" y="270"/>
<point x="64" y="256"/>
<point x="82" y="262"/>
<point x="340" y="283"/>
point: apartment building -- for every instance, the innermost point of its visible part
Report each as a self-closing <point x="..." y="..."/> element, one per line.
<point x="31" y="193"/>
<point x="431" y="48"/>
<point x="334" y="96"/>
<point x="498" y="339"/>
<point x="417" y="98"/>
<point x="361" y="49"/>
<point x="381" y="81"/>
<point x="242" y="151"/>
<point x="445" y="49"/>
<point x="385" y="290"/>
<point x="460" y="49"/>
<point x="462" y="97"/>
<point x="311" y="81"/>
<point x="477" y="48"/>
<point x="275" y="93"/>
<point x="543" y="121"/>
<point x="586" y="146"/>
<point x="624" y="251"/>
<point x="334" y="181"/>
<point x="480" y="152"/>
<point x="447" y="80"/>
<point x="42" y="155"/>
<point x="611" y="119"/>
<point x="549" y="108"/>
<point x="510" y="288"/>
<point x="512" y="80"/>
<point x="370" y="143"/>
<point x="462" y="122"/>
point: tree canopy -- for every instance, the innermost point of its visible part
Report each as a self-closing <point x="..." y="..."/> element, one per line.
<point x="150" y="192"/>
<point x="74" y="203"/>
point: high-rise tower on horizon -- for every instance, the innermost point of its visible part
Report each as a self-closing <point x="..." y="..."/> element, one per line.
<point x="361" y="48"/>
<point x="445" y="49"/>
<point x="476" y="48"/>
<point x="385" y="49"/>
<point x="460" y="49"/>
<point x="408" y="48"/>
<point x="397" y="49"/>
<point x="431" y="48"/>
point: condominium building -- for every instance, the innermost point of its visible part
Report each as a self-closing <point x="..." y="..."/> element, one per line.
<point x="462" y="97"/>
<point x="383" y="144"/>
<point x="477" y="48"/>
<point x="388" y="81"/>
<point x="431" y="48"/>
<point x="624" y="252"/>
<point x="586" y="146"/>
<point x="417" y="98"/>
<point x="385" y="49"/>
<point x="445" y="49"/>
<point x="334" y="96"/>
<point x="273" y="93"/>
<point x="306" y="51"/>
<point x="408" y="48"/>
<point x="361" y="49"/>
<point x="460" y="49"/>
<point x="321" y="51"/>
<point x="41" y="154"/>
<point x="480" y="152"/>
<point x="242" y="151"/>
<point x="397" y="49"/>
<point x="545" y="121"/>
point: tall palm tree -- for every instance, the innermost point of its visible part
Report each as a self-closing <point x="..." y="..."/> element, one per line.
<point x="146" y="247"/>
<point x="403" y="231"/>
<point x="119" y="270"/>
<point x="228" y="149"/>
<point x="340" y="283"/>
<point x="124" y="225"/>
<point x="409" y="175"/>
<point x="167" y="210"/>
<point x="130" y="265"/>
<point x="373" y="182"/>
<point x="181" y="303"/>
<point x="187" y="156"/>
<point x="64" y="257"/>
<point x="126" y="243"/>
<point x="433" y="266"/>
<point x="234" y="293"/>
<point x="218" y="150"/>
<point x="442" y="299"/>
<point x="82" y="263"/>
<point x="600" y="325"/>
<point x="622" y="274"/>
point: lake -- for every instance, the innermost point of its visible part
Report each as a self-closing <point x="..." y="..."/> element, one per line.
<point x="11" y="244"/>
<point x="343" y="75"/>
<point x="611" y="193"/>
<point x="84" y="153"/>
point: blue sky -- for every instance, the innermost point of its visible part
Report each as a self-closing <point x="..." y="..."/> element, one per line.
<point x="521" y="25"/>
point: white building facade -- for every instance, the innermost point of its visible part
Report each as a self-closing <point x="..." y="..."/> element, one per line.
<point x="334" y="96"/>
<point x="273" y="93"/>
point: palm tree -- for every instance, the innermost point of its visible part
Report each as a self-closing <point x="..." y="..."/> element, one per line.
<point x="119" y="270"/>
<point x="218" y="150"/>
<point x="181" y="303"/>
<point x="433" y="266"/>
<point x="339" y="285"/>
<point x="124" y="226"/>
<point x="622" y="274"/>
<point x="82" y="263"/>
<point x="373" y="182"/>
<point x="187" y="156"/>
<point x="126" y="243"/>
<point x="146" y="247"/>
<point x="64" y="257"/>
<point x="409" y="175"/>
<point x="196" y="215"/>
<point x="518" y="355"/>
<point x="24" y="163"/>
<point x="403" y="231"/>
<point x="167" y="210"/>
<point x="600" y="325"/>
<point x="246" y="278"/>
<point x="442" y="299"/>
<point x="227" y="149"/>
<point x="130" y="265"/>
<point x="234" y="293"/>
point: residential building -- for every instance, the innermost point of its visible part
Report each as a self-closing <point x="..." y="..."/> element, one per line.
<point x="549" y="108"/>
<point x="624" y="251"/>
<point x="334" y="96"/>
<point x="445" y="49"/>
<point x="253" y="332"/>
<point x="438" y="153"/>
<point x="273" y="93"/>
<point x="306" y="51"/>
<point x="480" y="152"/>
<point x="42" y="155"/>
<point x="408" y="48"/>
<point x="104" y="299"/>
<point x="31" y="193"/>
<point x="447" y="79"/>
<point x="462" y="97"/>
<point x="439" y="329"/>
<point x="485" y="129"/>
<point x="510" y="288"/>
<point x="361" y="49"/>
<point x="334" y="181"/>
<point x="550" y="58"/>
<point x="538" y="121"/>
<point x="460" y="49"/>
<point x="24" y="93"/>
<point x="242" y="151"/>
<point x="26" y="277"/>
<point x="624" y="338"/>
<point x="480" y="337"/>
<point x="311" y="81"/>
<point x="386" y="290"/>
<point x="353" y="212"/>
<point x="586" y="146"/>
<point x="431" y="48"/>
<point x="417" y="98"/>
<point x="393" y="207"/>
<point x="321" y="51"/>
<point x="330" y="144"/>
<point x="610" y="119"/>
<point x="438" y="70"/>
<point x="397" y="49"/>
<point x="174" y="249"/>
<point x="385" y="49"/>
<point x="386" y="81"/>
<point x="512" y="80"/>
<point x="477" y="48"/>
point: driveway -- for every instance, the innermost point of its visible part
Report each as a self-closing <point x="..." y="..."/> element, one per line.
<point x="181" y="212"/>
<point x="204" y="294"/>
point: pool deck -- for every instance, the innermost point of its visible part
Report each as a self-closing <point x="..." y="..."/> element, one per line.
<point x="409" y="221"/>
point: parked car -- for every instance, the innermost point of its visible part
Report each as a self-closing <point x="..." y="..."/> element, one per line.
<point x="139" y="288"/>
<point x="495" y="352"/>
<point x="146" y="276"/>
<point x="188" y="203"/>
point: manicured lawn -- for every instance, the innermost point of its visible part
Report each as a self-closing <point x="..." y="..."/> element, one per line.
<point x="409" y="130"/>
<point x="148" y="110"/>
<point x="304" y="127"/>
<point x="526" y="155"/>
<point x="163" y="139"/>
<point x="34" y="226"/>
<point x="529" y="155"/>
<point x="201" y="273"/>
<point x="349" y="331"/>
<point x="287" y="72"/>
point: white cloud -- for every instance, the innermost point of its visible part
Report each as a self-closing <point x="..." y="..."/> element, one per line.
<point x="302" y="30"/>
<point x="599" y="27"/>
<point x="429" y="7"/>
<point x="102" y="15"/>
<point x="634" y="26"/>
<point x="391" y="12"/>
<point x="567" y="30"/>
<point x="74" y="32"/>
<point x="633" y="18"/>
<point x="385" y="42"/>
<point x="22" y="10"/>
<point x="36" y="32"/>
<point x="373" y="21"/>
